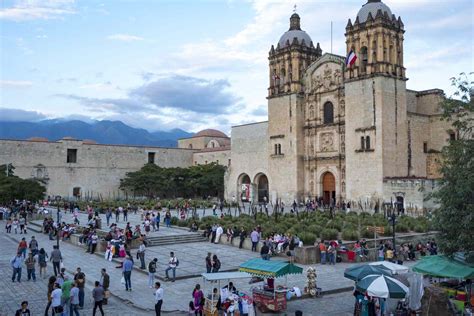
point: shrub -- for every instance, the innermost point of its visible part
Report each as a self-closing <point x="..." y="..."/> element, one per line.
<point x="401" y="228"/>
<point x="307" y="238"/>
<point x="365" y="233"/>
<point x="350" y="234"/>
<point x="329" y="233"/>
<point x="420" y="228"/>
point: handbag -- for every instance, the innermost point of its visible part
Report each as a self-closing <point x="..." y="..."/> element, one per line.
<point x="61" y="265"/>
<point x="122" y="280"/>
<point x="107" y="293"/>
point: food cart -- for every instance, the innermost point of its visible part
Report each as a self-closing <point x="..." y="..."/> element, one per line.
<point x="224" y="278"/>
<point x="270" y="298"/>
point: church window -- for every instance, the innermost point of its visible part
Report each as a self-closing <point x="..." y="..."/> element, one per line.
<point x="279" y="149"/>
<point x="217" y="161"/>
<point x="367" y="143"/>
<point x="328" y="113"/>
<point x="425" y="147"/>
<point x="362" y="143"/>
<point x="205" y="162"/>
<point x="71" y="155"/>
<point x="151" y="157"/>
<point x="228" y="162"/>
<point x="276" y="149"/>
<point x="364" y="59"/>
<point x="452" y="135"/>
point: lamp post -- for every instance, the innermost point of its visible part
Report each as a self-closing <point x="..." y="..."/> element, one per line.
<point x="58" y="198"/>
<point x="393" y="221"/>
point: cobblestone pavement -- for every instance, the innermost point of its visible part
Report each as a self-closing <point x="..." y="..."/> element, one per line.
<point x="177" y="294"/>
<point x="12" y="294"/>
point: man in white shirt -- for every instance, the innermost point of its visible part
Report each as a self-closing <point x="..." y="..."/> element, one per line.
<point x="172" y="264"/>
<point x="158" y="298"/>
<point x="56" y="299"/>
<point x="219" y="232"/>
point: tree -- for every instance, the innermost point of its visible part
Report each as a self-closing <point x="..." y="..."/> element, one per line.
<point x="153" y="181"/>
<point x="455" y="217"/>
<point x="14" y="188"/>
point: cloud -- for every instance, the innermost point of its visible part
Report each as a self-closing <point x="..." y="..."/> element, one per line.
<point x="16" y="83"/>
<point x="187" y="93"/>
<point x="26" y="10"/>
<point x="98" y="105"/>
<point x="260" y="111"/>
<point x="125" y="38"/>
<point x="13" y="115"/>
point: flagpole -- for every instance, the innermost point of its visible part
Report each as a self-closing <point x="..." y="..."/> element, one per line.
<point x="331" y="37"/>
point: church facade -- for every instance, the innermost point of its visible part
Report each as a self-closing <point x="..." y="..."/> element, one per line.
<point x="338" y="133"/>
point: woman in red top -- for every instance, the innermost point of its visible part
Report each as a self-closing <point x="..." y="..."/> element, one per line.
<point x="22" y="246"/>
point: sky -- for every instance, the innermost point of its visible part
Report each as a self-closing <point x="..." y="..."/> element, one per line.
<point x="164" y="64"/>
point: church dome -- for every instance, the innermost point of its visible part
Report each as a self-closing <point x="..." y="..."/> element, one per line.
<point x="372" y="6"/>
<point x="210" y="133"/>
<point x="294" y="31"/>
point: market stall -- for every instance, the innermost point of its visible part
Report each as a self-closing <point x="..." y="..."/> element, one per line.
<point x="454" y="276"/>
<point x="269" y="297"/>
<point x="227" y="299"/>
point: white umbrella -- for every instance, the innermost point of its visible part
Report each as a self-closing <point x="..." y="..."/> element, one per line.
<point x="395" y="268"/>
<point x="382" y="286"/>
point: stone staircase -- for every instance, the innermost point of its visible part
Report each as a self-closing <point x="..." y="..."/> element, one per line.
<point x="35" y="226"/>
<point x="175" y="239"/>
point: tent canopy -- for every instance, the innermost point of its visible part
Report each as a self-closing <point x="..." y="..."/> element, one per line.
<point x="395" y="268"/>
<point x="442" y="266"/>
<point x="225" y="276"/>
<point x="269" y="268"/>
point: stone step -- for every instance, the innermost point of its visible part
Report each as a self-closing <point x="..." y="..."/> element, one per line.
<point x="34" y="228"/>
<point x="156" y="241"/>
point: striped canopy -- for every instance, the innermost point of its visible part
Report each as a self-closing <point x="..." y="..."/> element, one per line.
<point x="269" y="268"/>
<point x="382" y="286"/>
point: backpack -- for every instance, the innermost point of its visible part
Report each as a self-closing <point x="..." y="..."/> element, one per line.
<point x="177" y="262"/>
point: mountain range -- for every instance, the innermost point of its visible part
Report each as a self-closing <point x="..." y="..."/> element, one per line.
<point x="103" y="132"/>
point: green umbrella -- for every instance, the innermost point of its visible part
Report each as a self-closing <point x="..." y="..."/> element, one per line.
<point x="360" y="271"/>
<point x="382" y="286"/>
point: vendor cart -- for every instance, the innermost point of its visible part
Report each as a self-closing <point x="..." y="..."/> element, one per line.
<point x="270" y="298"/>
<point x="229" y="300"/>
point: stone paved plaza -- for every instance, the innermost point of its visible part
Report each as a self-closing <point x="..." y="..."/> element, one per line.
<point x="177" y="294"/>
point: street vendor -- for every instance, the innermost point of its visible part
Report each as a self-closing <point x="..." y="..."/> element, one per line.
<point x="230" y="287"/>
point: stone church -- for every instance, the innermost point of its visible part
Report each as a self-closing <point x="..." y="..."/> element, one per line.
<point x="341" y="133"/>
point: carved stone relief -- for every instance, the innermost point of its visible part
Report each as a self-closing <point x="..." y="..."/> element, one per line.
<point x="326" y="142"/>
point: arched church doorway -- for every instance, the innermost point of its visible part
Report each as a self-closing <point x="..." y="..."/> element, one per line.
<point x="262" y="187"/>
<point x="243" y="187"/>
<point x="329" y="188"/>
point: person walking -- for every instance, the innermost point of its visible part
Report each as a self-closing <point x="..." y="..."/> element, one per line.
<point x="172" y="264"/>
<point x="127" y="273"/>
<point x="56" y="258"/>
<point x="216" y="264"/>
<point x="56" y="300"/>
<point x="158" y="298"/>
<point x="151" y="272"/>
<point x="98" y="296"/>
<point x="66" y="296"/>
<point x="22" y="246"/>
<point x="209" y="263"/>
<point x="51" y="282"/>
<point x="198" y="297"/>
<point x="30" y="263"/>
<point x="34" y="246"/>
<point x="255" y="238"/>
<point x="105" y="283"/>
<point x="141" y="255"/>
<point x="80" y="279"/>
<point x="16" y="263"/>
<point x="42" y="256"/>
<point x="74" y="294"/>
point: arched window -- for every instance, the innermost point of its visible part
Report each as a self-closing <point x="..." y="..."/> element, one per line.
<point x="328" y="113"/>
<point x="367" y="142"/>
<point x="362" y="143"/>
<point x="363" y="59"/>
<point x="279" y="149"/>
<point x="276" y="149"/>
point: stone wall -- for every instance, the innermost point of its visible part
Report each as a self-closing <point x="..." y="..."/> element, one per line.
<point x="414" y="192"/>
<point x="98" y="169"/>
<point x="221" y="157"/>
<point x="249" y="156"/>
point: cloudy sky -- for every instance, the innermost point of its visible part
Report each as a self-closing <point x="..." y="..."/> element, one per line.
<point x="191" y="64"/>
